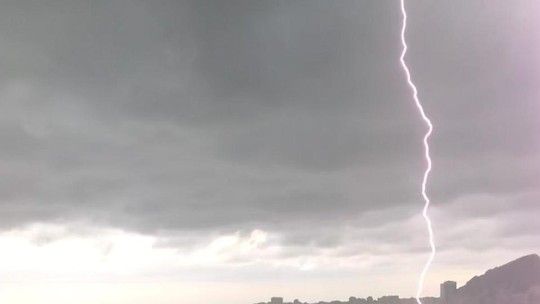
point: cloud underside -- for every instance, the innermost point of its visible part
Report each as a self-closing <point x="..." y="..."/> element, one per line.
<point x="191" y="120"/>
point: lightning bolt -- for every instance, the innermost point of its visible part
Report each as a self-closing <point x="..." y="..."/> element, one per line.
<point x="426" y="155"/>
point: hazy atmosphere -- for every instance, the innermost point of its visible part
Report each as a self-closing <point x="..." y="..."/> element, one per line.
<point x="211" y="151"/>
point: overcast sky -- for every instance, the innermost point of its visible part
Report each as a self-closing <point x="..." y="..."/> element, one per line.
<point x="211" y="151"/>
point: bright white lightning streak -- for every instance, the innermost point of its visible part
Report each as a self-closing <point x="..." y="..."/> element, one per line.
<point x="427" y="155"/>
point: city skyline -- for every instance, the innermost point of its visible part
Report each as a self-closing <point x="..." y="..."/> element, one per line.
<point x="517" y="281"/>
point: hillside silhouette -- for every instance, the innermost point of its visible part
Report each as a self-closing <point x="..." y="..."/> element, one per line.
<point x="517" y="282"/>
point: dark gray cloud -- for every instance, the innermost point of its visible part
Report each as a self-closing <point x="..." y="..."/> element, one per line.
<point x="218" y="116"/>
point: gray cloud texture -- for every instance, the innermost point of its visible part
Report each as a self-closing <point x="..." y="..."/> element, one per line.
<point x="290" y="116"/>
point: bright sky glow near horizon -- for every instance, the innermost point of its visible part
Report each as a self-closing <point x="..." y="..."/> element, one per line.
<point x="207" y="151"/>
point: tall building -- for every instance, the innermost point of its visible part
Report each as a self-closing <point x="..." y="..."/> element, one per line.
<point x="276" y="300"/>
<point x="448" y="291"/>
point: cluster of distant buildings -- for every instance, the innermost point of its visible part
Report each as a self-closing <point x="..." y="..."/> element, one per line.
<point x="516" y="282"/>
<point x="448" y="291"/>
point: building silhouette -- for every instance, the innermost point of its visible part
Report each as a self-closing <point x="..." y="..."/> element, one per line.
<point x="448" y="291"/>
<point x="388" y="300"/>
<point x="276" y="300"/>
